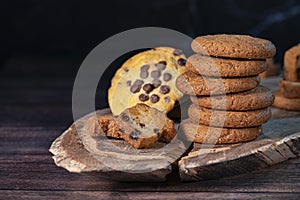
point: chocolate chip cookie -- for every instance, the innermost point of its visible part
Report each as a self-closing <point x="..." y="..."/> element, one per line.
<point x="234" y="46"/>
<point x="148" y="77"/>
<point x="142" y="126"/>
<point x="103" y="126"/>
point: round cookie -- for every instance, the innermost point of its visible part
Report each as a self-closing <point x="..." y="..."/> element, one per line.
<point x="257" y="98"/>
<point x="214" y="135"/>
<point x="148" y="77"/>
<point x="234" y="46"/>
<point x="289" y="89"/>
<point x="232" y="119"/>
<point x="286" y="103"/>
<point x="222" y="67"/>
<point x="292" y="64"/>
<point x="194" y="84"/>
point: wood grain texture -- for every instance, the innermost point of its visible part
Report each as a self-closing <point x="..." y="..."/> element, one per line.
<point x="74" y="195"/>
<point x="27" y="170"/>
<point x="76" y="151"/>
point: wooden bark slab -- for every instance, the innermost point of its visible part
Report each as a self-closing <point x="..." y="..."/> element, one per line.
<point x="77" y="152"/>
<point x="280" y="141"/>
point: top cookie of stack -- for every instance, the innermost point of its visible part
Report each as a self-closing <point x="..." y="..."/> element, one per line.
<point x="227" y="64"/>
<point x="228" y="56"/>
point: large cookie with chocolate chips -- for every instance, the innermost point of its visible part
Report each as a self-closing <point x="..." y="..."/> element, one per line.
<point x="292" y="64"/>
<point x="142" y="126"/>
<point x="234" y="46"/>
<point x="148" y="77"/>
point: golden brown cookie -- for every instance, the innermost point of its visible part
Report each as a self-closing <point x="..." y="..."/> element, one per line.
<point x="214" y="135"/>
<point x="103" y="126"/>
<point x="142" y="126"/>
<point x="231" y="119"/>
<point x="292" y="64"/>
<point x="234" y="46"/>
<point x="289" y="89"/>
<point x="194" y="84"/>
<point x="224" y="67"/>
<point x="257" y="98"/>
<point x="286" y="103"/>
<point x="148" y="77"/>
<point x="106" y="125"/>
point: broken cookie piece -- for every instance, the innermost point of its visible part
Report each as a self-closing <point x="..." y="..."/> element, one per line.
<point x="142" y="126"/>
<point x="103" y="126"/>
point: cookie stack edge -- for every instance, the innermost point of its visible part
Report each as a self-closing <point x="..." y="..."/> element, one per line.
<point x="225" y="68"/>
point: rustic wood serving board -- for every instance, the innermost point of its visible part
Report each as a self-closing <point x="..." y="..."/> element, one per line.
<point x="280" y="141"/>
<point x="84" y="154"/>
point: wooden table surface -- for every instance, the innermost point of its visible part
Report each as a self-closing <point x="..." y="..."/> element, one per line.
<point x="35" y="107"/>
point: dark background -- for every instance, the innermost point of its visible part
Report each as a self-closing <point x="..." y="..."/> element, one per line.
<point x="74" y="27"/>
<point x="48" y="39"/>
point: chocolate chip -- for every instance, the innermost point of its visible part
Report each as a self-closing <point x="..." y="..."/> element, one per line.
<point x="126" y="69"/>
<point x="133" y="136"/>
<point x="181" y="61"/>
<point x="145" y="68"/>
<point x="156" y="130"/>
<point x="142" y="125"/>
<point x="164" y="89"/>
<point x="143" y="97"/>
<point x="155" y="74"/>
<point x="156" y="83"/>
<point x="167" y="99"/>
<point x="136" y="87"/>
<point x="167" y="77"/>
<point x="161" y="65"/>
<point x="144" y="74"/>
<point x="125" y="117"/>
<point x="139" y="82"/>
<point x="177" y="52"/>
<point x="128" y="83"/>
<point x="122" y="130"/>
<point x="154" y="98"/>
<point x="148" y="88"/>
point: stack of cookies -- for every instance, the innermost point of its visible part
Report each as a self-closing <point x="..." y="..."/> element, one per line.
<point x="288" y="96"/>
<point x="229" y="105"/>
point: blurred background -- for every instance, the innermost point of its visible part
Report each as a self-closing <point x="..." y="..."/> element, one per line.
<point x="44" y="42"/>
<point x="73" y="27"/>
